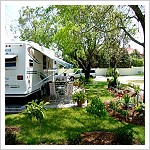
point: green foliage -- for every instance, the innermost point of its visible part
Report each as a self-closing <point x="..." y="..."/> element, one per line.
<point x="126" y="101"/>
<point x="96" y="107"/>
<point x="135" y="87"/>
<point x="79" y="96"/>
<point x="35" y="110"/>
<point x="90" y="80"/>
<point x="124" y="136"/>
<point x="74" y="138"/>
<point x="82" y="33"/>
<point x="78" y="83"/>
<point x="113" y="105"/>
<point x="85" y="81"/>
<point x="109" y="72"/>
<point x="122" y="112"/>
<point x="137" y="62"/>
<point x="60" y="122"/>
<point x="112" y="84"/>
<point x="140" y="110"/>
<point x="126" y="98"/>
<point x="125" y="60"/>
<point x="136" y="54"/>
<point x="82" y="79"/>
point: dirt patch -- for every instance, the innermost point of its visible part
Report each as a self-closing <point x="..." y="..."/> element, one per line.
<point x="131" y="118"/>
<point x="11" y="129"/>
<point x="98" y="138"/>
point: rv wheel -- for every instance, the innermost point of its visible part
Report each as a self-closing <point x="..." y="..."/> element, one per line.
<point x="42" y="91"/>
<point x="45" y="90"/>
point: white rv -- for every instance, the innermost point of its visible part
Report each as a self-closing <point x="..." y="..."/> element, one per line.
<point x="28" y="68"/>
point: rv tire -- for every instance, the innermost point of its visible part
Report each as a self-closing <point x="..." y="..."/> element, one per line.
<point x="42" y="91"/>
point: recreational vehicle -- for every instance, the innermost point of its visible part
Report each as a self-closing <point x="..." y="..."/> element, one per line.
<point x="28" y="68"/>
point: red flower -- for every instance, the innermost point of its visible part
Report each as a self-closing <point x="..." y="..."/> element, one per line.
<point x="120" y="95"/>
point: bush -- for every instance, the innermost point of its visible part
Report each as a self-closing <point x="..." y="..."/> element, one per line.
<point x="137" y="62"/>
<point x="96" y="107"/>
<point x="109" y="72"/>
<point x="140" y="110"/>
<point x="124" y="136"/>
<point x="74" y="138"/>
<point x="111" y="83"/>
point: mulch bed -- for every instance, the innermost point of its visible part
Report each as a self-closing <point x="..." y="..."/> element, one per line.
<point x="11" y="129"/>
<point x="98" y="138"/>
<point x="132" y="117"/>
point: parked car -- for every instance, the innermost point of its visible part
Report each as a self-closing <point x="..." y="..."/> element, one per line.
<point x="80" y="72"/>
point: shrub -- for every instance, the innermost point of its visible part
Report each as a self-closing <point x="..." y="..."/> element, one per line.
<point x="140" y="110"/>
<point x="90" y="80"/>
<point x="109" y="72"/>
<point x="35" y="110"/>
<point x="126" y="101"/>
<point x="124" y="136"/>
<point x="96" y="107"/>
<point x="113" y="105"/>
<point x="137" y="62"/>
<point x="74" y="138"/>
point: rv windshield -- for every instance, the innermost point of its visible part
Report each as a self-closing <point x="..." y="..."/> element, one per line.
<point x="11" y="62"/>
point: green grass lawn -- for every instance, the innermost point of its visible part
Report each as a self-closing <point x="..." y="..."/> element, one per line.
<point x="58" y="123"/>
<point x="98" y="89"/>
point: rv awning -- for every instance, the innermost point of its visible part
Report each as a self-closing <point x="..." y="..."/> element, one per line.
<point x="48" y="53"/>
<point x="63" y="63"/>
<point x="10" y="56"/>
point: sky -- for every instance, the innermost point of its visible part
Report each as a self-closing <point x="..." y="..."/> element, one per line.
<point x="11" y="14"/>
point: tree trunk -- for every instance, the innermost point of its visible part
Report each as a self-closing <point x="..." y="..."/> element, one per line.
<point x="87" y="72"/>
<point x="87" y="75"/>
<point x="115" y="78"/>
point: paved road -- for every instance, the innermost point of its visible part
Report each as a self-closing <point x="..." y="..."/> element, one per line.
<point x="124" y="79"/>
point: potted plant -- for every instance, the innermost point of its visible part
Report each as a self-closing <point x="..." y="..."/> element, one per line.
<point x="79" y="97"/>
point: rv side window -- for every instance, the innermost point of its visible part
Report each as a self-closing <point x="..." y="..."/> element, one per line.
<point x="10" y="62"/>
<point x="31" y="63"/>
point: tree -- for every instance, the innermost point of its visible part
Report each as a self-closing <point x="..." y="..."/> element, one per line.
<point x="139" y="15"/>
<point x="136" y="54"/>
<point x="81" y="32"/>
<point x="79" y="36"/>
<point x="36" y="25"/>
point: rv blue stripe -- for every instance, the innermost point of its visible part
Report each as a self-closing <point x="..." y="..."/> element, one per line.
<point x="31" y="72"/>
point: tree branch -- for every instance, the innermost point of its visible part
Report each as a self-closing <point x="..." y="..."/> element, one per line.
<point x="140" y="16"/>
<point x="132" y="38"/>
